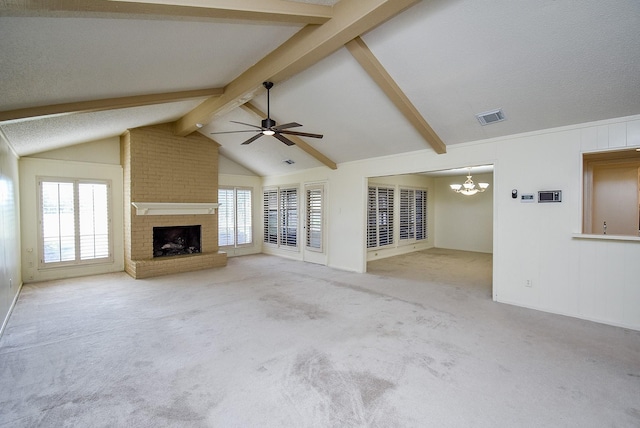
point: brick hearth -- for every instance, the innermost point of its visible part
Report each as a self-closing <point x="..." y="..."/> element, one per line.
<point x="162" y="167"/>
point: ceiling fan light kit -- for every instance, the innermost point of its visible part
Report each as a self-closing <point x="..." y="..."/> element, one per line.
<point x="270" y="127"/>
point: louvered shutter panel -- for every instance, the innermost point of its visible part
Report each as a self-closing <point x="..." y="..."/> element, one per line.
<point x="244" y="234"/>
<point x="314" y="218"/>
<point x="225" y="217"/>
<point x="270" y="211"/>
<point x="288" y="217"/>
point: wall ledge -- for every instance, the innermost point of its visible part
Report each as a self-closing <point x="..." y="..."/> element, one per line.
<point x="174" y="208"/>
<point x="606" y="237"/>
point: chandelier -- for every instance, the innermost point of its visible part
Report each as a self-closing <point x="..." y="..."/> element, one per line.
<point x="469" y="188"/>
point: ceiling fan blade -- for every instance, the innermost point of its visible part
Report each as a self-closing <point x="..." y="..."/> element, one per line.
<point x="254" y="138"/>
<point x="285" y="126"/>
<point x="302" y="134"/>
<point x="284" y="139"/>
<point x="247" y="124"/>
<point x="233" y="132"/>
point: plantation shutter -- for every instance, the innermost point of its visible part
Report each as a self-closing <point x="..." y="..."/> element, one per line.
<point x="288" y="217"/>
<point x="93" y="220"/>
<point x="407" y="214"/>
<point x="413" y="214"/>
<point x="314" y="218"/>
<point x="244" y="233"/>
<point x="372" y="215"/>
<point x="226" y="214"/>
<point x="270" y="211"/>
<point x="385" y="216"/>
<point x="380" y="216"/>
<point x="421" y="215"/>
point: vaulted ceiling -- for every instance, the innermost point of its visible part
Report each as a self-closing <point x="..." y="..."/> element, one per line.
<point x="374" y="77"/>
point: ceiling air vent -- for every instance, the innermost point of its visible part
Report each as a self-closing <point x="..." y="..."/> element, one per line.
<point x="288" y="161"/>
<point x="489" y="117"/>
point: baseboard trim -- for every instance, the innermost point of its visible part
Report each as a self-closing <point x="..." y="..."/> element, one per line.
<point x="610" y="322"/>
<point x="10" y="311"/>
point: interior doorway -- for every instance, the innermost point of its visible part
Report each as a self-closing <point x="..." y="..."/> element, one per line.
<point x="459" y="245"/>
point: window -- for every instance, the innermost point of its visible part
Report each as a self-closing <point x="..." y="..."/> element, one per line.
<point x="280" y="210"/>
<point x="74" y="221"/>
<point x="612" y="193"/>
<point x="413" y="215"/>
<point x="234" y="217"/>
<point x="379" y="216"/>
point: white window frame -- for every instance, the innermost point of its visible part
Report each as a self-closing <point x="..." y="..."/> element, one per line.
<point x="238" y="223"/>
<point x="412" y="227"/>
<point x="283" y="204"/>
<point x="380" y="216"/>
<point x="77" y="261"/>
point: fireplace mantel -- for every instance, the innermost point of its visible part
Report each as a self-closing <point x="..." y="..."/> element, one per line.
<point x="174" y="208"/>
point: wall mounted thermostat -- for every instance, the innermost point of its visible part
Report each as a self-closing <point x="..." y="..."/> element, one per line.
<point x="527" y="197"/>
<point x="550" y="196"/>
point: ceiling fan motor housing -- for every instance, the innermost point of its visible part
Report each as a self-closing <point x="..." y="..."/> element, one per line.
<point x="268" y="123"/>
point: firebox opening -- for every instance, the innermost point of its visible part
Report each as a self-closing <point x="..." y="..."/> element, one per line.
<point x="176" y="240"/>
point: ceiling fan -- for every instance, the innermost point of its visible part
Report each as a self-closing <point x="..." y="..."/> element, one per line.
<point x="269" y="127"/>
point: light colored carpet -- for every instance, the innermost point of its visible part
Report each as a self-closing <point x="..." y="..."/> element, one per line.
<point x="270" y="342"/>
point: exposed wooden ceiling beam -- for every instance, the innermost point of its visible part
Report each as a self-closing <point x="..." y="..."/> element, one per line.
<point x="351" y="18"/>
<point x="107" y="104"/>
<point x="255" y="10"/>
<point x="372" y="66"/>
<point x="250" y="107"/>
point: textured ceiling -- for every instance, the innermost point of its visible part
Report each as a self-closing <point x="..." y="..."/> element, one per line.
<point x="547" y="63"/>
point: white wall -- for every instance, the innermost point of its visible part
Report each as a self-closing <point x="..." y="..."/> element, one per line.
<point x="463" y="222"/>
<point x="30" y="169"/>
<point x="101" y="151"/>
<point x="228" y="167"/>
<point x="10" y="275"/>
<point x="592" y="279"/>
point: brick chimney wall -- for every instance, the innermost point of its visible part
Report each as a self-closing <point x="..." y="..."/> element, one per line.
<point x="160" y="166"/>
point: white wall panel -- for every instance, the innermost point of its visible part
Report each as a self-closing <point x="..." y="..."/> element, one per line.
<point x="589" y="139"/>
<point x="617" y="135"/>
<point x="603" y="137"/>
<point x="10" y="275"/>
<point x="633" y="133"/>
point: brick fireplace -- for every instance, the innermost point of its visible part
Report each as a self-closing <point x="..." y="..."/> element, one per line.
<point x="170" y="183"/>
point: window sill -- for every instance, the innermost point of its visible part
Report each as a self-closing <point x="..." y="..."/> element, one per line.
<point x="606" y="237"/>
<point x="75" y="264"/>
